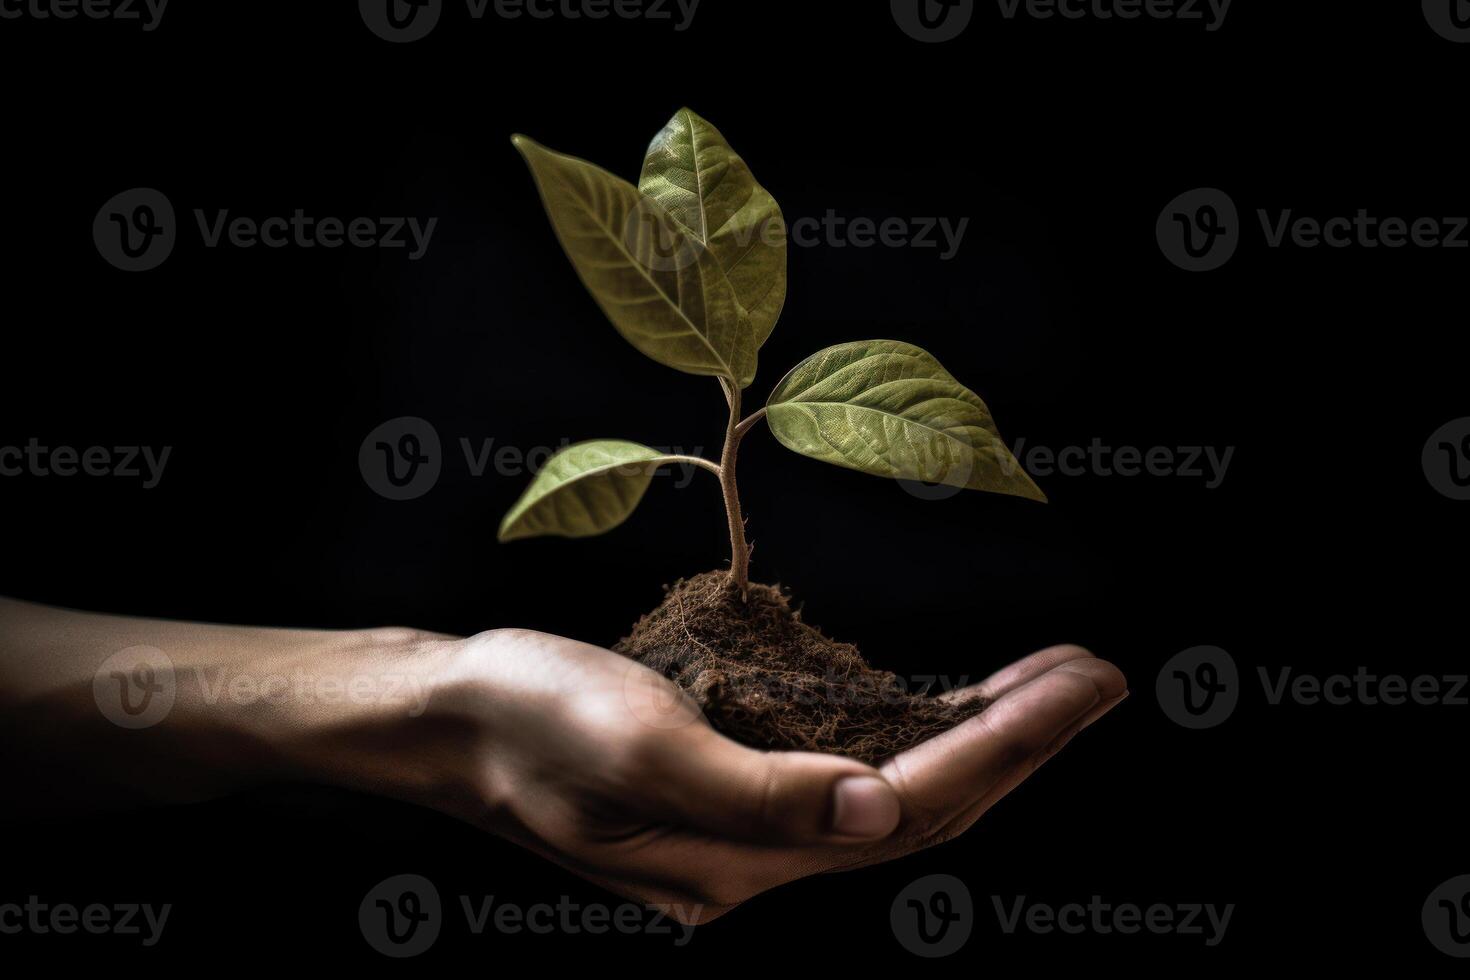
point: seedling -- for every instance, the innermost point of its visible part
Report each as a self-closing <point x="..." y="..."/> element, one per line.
<point x="690" y="267"/>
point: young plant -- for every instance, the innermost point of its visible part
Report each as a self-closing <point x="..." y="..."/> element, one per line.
<point x="690" y="267"/>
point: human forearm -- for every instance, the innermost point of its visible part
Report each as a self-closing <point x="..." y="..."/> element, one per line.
<point x="112" y="710"/>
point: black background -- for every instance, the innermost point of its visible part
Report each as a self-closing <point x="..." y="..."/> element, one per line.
<point x="1324" y="549"/>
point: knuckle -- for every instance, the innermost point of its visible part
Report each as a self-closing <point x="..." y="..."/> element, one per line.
<point x="919" y="820"/>
<point x="634" y="755"/>
<point x="767" y="794"/>
<point x="1009" y="752"/>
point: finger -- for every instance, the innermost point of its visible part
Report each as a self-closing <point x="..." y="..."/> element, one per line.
<point x="1023" y="670"/>
<point x="943" y="777"/>
<point x="1021" y="773"/>
<point x="742" y="794"/>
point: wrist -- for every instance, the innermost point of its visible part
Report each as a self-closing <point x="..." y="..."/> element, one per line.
<point x="339" y="708"/>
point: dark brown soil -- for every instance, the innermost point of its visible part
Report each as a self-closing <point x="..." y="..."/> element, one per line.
<point x="765" y="678"/>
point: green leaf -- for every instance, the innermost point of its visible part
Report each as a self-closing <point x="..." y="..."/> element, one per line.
<point x="662" y="289"/>
<point x="586" y="489"/>
<point x="890" y="409"/>
<point x="708" y="189"/>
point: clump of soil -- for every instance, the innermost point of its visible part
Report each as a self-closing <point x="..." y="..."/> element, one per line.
<point x="769" y="680"/>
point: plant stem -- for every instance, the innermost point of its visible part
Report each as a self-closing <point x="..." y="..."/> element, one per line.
<point x="749" y="423"/>
<point x="739" y="550"/>
<point x="699" y="461"/>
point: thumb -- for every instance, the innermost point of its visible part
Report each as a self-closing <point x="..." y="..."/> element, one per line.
<point x="773" y="797"/>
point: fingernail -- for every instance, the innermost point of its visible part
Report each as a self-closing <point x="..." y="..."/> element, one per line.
<point x="865" y="807"/>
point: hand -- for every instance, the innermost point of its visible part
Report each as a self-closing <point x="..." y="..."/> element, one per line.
<point x="579" y="754"/>
<point x="605" y="768"/>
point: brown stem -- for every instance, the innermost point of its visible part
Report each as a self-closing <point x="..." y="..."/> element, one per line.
<point x="739" y="550"/>
<point x="699" y="461"/>
<point x="749" y="423"/>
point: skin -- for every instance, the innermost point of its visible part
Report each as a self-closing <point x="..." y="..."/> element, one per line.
<point x="567" y="749"/>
